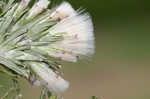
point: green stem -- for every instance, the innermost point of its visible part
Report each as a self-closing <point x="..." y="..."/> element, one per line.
<point x="43" y="94"/>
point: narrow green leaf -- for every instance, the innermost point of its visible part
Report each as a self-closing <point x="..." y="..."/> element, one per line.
<point x="9" y="64"/>
<point x="5" y="70"/>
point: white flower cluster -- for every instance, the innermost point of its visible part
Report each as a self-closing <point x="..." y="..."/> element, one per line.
<point x="31" y="37"/>
<point x="77" y="30"/>
<point x="78" y="40"/>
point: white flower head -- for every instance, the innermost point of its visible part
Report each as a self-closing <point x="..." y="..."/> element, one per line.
<point x="50" y="79"/>
<point x="78" y="38"/>
<point x="38" y="8"/>
<point x="64" y="10"/>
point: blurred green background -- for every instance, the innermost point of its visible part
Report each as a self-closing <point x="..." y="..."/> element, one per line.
<point x="120" y="68"/>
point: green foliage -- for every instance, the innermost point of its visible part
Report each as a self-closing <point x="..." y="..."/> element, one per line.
<point x="9" y="88"/>
<point x="94" y="97"/>
<point x="48" y="95"/>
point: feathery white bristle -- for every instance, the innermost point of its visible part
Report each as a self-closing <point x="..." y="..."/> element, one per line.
<point x="78" y="36"/>
<point x="63" y="56"/>
<point x="63" y="11"/>
<point x="51" y="80"/>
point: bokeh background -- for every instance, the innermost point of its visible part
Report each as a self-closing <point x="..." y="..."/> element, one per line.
<point x="120" y="68"/>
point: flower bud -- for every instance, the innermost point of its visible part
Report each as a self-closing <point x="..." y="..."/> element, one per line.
<point x="38" y="8"/>
<point x="50" y="79"/>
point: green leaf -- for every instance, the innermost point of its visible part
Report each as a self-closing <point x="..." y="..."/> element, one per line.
<point x="5" y="70"/>
<point x="8" y="87"/>
<point x="94" y="97"/>
<point x="45" y="94"/>
<point x="53" y="97"/>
